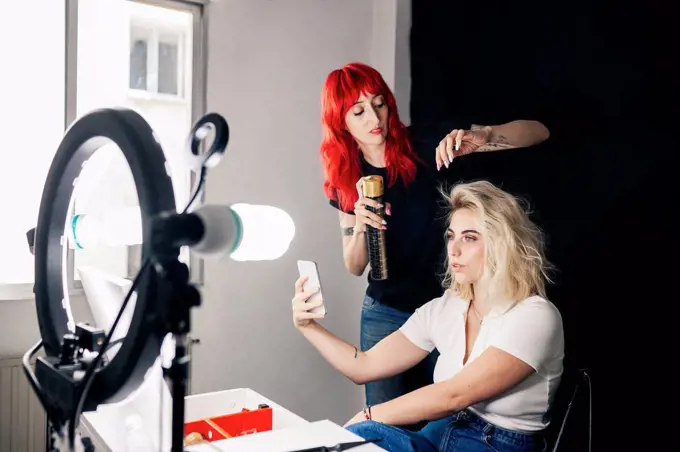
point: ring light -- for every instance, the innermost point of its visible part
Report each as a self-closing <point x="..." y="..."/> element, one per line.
<point x="130" y="133"/>
<point x="74" y="376"/>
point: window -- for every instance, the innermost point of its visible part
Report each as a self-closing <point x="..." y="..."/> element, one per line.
<point x="139" y="60"/>
<point x="32" y="125"/>
<point x="156" y="59"/>
<point x="132" y="54"/>
<point x="128" y="53"/>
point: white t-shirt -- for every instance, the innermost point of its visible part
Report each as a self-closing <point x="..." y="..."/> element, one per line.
<point x="530" y="330"/>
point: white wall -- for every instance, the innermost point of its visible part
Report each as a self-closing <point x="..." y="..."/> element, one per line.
<point x="19" y="325"/>
<point x="390" y="49"/>
<point x="267" y="62"/>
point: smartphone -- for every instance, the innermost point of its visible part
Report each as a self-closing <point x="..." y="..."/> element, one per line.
<point x="311" y="271"/>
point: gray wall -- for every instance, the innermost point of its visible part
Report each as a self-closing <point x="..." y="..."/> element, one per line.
<point x="267" y="62"/>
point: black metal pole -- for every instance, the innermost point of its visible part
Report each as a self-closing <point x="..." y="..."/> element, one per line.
<point x="179" y="375"/>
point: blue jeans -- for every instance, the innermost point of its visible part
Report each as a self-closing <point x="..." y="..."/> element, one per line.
<point x="461" y="432"/>
<point x="377" y="322"/>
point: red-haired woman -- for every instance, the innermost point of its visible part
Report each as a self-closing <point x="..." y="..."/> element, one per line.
<point x="363" y="135"/>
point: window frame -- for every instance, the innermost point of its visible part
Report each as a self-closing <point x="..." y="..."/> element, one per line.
<point x="154" y="34"/>
<point x="24" y="291"/>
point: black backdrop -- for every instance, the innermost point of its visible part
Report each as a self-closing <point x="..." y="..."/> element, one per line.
<point x="600" y="186"/>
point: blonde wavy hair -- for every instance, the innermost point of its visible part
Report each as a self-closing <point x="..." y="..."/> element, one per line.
<point x="516" y="266"/>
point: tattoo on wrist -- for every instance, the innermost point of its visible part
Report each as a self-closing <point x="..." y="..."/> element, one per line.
<point x="500" y="139"/>
<point x="494" y="147"/>
<point x="348" y="231"/>
<point x="496" y="142"/>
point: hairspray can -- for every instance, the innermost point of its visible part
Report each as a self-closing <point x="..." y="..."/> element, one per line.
<point x="374" y="188"/>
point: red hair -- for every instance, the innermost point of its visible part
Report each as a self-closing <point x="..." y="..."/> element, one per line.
<point x="340" y="154"/>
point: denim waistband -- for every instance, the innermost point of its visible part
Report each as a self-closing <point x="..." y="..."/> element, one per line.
<point x="476" y="422"/>
<point x="372" y="304"/>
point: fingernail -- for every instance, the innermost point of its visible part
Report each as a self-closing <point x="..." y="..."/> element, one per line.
<point x="384" y="222"/>
<point x="389" y="211"/>
<point x="451" y="157"/>
<point x="457" y="146"/>
<point x="384" y="227"/>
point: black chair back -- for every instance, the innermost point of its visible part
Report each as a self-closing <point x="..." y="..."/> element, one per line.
<point x="562" y="433"/>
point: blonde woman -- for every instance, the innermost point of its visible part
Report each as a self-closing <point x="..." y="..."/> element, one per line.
<point x="501" y="342"/>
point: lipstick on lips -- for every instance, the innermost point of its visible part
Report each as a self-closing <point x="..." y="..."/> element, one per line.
<point x="377" y="131"/>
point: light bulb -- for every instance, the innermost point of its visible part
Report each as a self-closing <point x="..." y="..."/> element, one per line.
<point x="244" y="232"/>
<point x="266" y="232"/>
<point x="115" y="227"/>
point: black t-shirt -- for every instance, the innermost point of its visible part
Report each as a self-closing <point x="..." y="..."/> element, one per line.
<point x="415" y="234"/>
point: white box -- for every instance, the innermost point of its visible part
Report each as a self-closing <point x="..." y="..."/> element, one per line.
<point x="106" y="426"/>
<point x="151" y="404"/>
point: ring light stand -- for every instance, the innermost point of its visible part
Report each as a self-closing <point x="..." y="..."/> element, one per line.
<point x="74" y="375"/>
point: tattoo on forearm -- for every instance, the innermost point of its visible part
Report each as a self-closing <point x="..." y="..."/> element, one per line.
<point x="497" y="143"/>
<point x="494" y="147"/>
<point x="348" y="231"/>
<point x="500" y="139"/>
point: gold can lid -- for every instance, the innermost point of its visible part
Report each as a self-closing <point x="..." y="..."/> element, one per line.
<point x="373" y="186"/>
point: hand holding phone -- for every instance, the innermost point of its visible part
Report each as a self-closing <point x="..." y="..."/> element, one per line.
<point x="310" y="270"/>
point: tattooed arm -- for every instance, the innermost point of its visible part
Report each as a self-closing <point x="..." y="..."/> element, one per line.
<point x="514" y="134"/>
<point x="354" y="249"/>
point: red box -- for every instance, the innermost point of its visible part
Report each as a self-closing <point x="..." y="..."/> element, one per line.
<point x="245" y="422"/>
